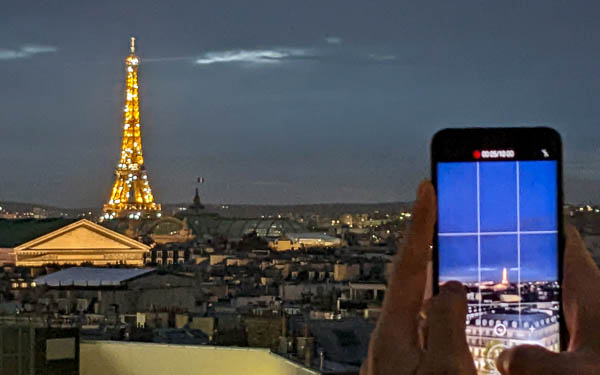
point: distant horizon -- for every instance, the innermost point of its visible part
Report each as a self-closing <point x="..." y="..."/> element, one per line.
<point x="44" y="205"/>
<point x="187" y="203"/>
<point x="410" y="203"/>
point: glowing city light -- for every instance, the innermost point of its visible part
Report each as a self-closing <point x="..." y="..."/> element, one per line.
<point x="131" y="191"/>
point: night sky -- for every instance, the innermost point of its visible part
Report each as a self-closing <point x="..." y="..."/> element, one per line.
<point x="286" y="101"/>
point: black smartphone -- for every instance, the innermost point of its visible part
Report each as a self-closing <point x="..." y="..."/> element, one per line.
<point x="499" y="231"/>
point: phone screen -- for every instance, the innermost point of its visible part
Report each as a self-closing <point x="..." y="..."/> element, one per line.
<point x="498" y="234"/>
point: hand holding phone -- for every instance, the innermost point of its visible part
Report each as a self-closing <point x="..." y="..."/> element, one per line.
<point x="395" y="346"/>
<point x="581" y="300"/>
<point x="499" y="232"/>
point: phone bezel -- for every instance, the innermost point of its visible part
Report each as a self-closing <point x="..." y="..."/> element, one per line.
<point x="458" y="144"/>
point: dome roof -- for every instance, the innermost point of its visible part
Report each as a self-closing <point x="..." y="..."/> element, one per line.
<point x="236" y="228"/>
<point x="202" y="223"/>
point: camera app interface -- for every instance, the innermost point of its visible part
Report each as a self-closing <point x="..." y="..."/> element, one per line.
<point x="498" y="235"/>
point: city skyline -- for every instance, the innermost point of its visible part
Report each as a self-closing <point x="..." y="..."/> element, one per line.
<point x="312" y="106"/>
<point x="259" y="186"/>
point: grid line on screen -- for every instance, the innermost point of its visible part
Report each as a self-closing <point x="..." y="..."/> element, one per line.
<point x="518" y="232"/>
<point x="518" y="242"/>
<point x="479" y="247"/>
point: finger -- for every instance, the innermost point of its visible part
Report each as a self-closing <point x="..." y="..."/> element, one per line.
<point x="581" y="289"/>
<point x="407" y="283"/>
<point x="425" y="307"/>
<point x="428" y="293"/>
<point x="447" y="350"/>
<point x="364" y="369"/>
<point x="423" y="328"/>
<point x="446" y="321"/>
<point x="534" y="360"/>
<point x="579" y="264"/>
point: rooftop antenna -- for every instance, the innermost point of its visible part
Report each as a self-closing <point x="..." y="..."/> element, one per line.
<point x="196" y="203"/>
<point x="132" y="45"/>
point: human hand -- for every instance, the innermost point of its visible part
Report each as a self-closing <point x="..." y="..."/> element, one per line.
<point x="394" y="347"/>
<point x="581" y="303"/>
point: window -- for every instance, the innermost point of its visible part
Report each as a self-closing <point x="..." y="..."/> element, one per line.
<point x="169" y="260"/>
<point x="170" y="254"/>
<point x="180" y="260"/>
<point x="159" y="253"/>
<point x="159" y="261"/>
<point x="181" y="253"/>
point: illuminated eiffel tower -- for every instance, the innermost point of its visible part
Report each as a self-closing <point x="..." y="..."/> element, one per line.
<point x="131" y="195"/>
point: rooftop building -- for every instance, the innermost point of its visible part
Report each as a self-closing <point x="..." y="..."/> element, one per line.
<point x="129" y="358"/>
<point x="91" y="277"/>
<point x="79" y="242"/>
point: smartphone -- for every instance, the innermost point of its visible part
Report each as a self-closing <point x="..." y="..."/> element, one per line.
<point x="499" y="232"/>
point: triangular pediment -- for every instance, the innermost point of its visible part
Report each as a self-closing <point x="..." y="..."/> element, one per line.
<point x="82" y="235"/>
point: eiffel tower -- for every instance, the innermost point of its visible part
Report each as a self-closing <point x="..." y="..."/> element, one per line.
<point x="131" y="195"/>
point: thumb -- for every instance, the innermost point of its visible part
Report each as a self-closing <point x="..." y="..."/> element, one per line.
<point x="532" y="360"/>
<point x="581" y="292"/>
<point x="446" y="320"/>
<point x="447" y="348"/>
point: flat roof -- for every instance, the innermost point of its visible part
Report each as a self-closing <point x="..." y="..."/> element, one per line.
<point x="91" y="276"/>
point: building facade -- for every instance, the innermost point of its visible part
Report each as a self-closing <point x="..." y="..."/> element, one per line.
<point x="81" y="242"/>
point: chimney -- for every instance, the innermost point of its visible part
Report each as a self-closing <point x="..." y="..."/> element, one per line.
<point x="308" y="346"/>
<point x="321" y="359"/>
<point x="284" y="325"/>
<point x="307" y="355"/>
<point x="283" y="340"/>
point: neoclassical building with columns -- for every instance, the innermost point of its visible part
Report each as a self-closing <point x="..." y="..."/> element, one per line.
<point x="81" y="242"/>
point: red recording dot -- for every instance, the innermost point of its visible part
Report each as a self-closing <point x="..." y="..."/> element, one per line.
<point x="476" y="154"/>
